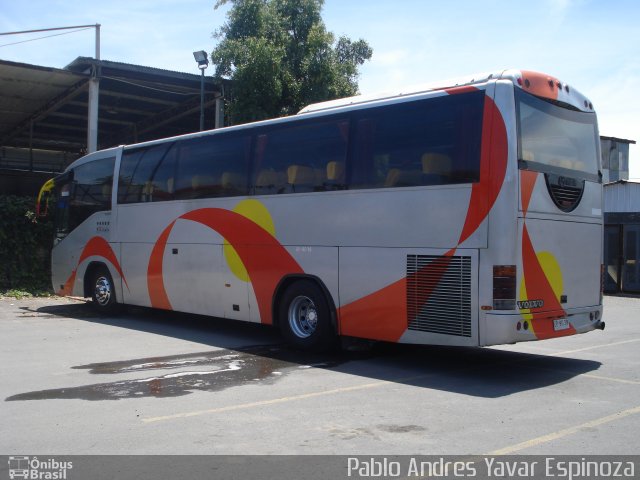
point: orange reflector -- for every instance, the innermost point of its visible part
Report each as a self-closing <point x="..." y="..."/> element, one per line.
<point x="504" y="270"/>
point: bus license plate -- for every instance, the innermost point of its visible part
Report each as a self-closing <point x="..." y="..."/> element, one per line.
<point x="560" y="324"/>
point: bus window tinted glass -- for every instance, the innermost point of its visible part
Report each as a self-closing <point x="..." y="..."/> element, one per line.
<point x="557" y="137"/>
<point x="212" y="166"/>
<point x="428" y="142"/>
<point x="90" y="191"/>
<point x="147" y="174"/>
<point x="302" y="158"/>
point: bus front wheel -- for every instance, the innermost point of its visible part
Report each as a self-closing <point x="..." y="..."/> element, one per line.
<point x="103" y="292"/>
<point x="305" y="317"/>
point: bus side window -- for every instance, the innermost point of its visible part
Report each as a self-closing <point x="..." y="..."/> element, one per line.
<point x="212" y="166"/>
<point x="297" y="159"/>
<point x="88" y="193"/>
<point x="431" y="142"/>
<point x="162" y="180"/>
<point x="146" y="174"/>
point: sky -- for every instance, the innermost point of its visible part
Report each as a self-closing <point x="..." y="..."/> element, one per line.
<point x="593" y="45"/>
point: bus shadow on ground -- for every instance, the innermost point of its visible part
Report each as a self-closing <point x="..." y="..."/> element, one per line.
<point x="250" y="354"/>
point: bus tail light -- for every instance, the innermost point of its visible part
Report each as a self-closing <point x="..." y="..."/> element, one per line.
<point x="504" y="287"/>
<point x="601" y="282"/>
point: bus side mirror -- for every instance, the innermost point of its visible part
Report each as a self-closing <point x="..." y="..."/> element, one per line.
<point x="42" y="203"/>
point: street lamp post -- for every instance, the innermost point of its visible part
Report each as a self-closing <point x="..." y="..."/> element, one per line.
<point x="203" y="63"/>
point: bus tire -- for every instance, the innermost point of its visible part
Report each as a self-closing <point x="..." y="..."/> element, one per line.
<point x="103" y="293"/>
<point x="305" y="317"/>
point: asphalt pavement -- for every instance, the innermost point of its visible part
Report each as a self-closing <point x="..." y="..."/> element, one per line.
<point x="153" y="382"/>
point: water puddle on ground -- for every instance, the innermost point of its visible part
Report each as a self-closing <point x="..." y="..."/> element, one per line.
<point x="178" y="375"/>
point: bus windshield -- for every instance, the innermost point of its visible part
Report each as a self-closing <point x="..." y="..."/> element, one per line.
<point x="554" y="139"/>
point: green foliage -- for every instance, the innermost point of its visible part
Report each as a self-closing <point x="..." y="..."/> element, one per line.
<point x="25" y="246"/>
<point x="280" y="57"/>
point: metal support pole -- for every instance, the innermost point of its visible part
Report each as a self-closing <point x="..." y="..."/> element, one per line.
<point x="92" y="127"/>
<point x="94" y="96"/>
<point x="97" y="41"/>
<point x="219" y="114"/>
<point x="202" y="100"/>
<point x="31" y="146"/>
<point x="219" y="120"/>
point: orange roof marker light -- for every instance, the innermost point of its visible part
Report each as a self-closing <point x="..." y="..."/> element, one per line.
<point x="546" y="86"/>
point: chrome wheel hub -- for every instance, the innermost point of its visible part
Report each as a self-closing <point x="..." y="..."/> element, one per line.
<point x="303" y="316"/>
<point x="103" y="290"/>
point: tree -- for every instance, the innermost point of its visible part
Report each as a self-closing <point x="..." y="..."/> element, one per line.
<point x="280" y="57"/>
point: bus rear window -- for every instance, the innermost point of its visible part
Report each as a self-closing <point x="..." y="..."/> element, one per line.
<point x="554" y="139"/>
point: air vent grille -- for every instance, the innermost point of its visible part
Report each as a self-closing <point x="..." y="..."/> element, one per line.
<point x="439" y="294"/>
<point x="565" y="192"/>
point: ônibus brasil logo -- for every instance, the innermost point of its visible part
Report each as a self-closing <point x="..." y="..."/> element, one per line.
<point x="32" y="468"/>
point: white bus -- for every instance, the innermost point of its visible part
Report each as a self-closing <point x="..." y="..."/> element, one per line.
<point x="465" y="213"/>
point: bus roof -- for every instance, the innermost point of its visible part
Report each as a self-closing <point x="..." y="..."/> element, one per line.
<point x="539" y="84"/>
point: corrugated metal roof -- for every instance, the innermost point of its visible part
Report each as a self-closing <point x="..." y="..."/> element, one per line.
<point x="622" y="196"/>
<point x="616" y="139"/>
<point x="46" y="108"/>
<point x="84" y="63"/>
<point x="26" y="88"/>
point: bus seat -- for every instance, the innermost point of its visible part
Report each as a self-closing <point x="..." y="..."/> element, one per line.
<point x="269" y="181"/>
<point x="202" y="181"/>
<point x="403" y="178"/>
<point x="436" y="164"/>
<point x="106" y="192"/>
<point x="335" y="172"/>
<point x="267" y="178"/>
<point x="335" y="177"/>
<point x="170" y="185"/>
<point x="565" y="163"/>
<point x="528" y="156"/>
<point x="233" y="182"/>
<point x="147" y="191"/>
<point x="436" y="168"/>
<point x="319" y="176"/>
<point x="300" y="176"/>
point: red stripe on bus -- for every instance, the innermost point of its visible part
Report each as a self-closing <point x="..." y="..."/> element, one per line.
<point x="265" y="259"/>
<point x="99" y="247"/>
<point x="539" y="287"/>
<point x="493" y="167"/>
<point x="383" y="315"/>
<point x="155" y="281"/>
<point x="527" y="182"/>
<point x="95" y="247"/>
<point x="67" y="288"/>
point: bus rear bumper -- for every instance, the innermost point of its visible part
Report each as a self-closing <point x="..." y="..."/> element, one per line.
<point x="501" y="328"/>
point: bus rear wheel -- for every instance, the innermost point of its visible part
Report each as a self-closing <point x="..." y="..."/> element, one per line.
<point x="103" y="292"/>
<point x="305" y="317"/>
